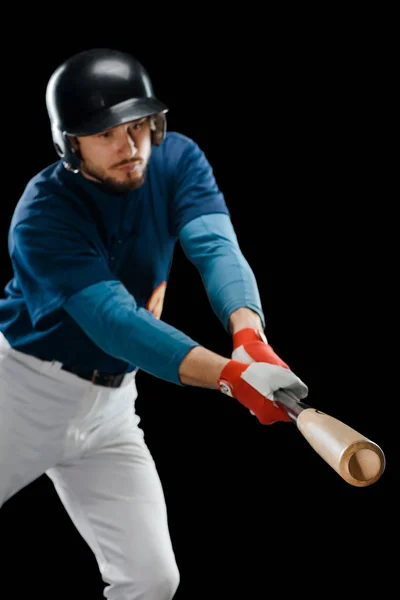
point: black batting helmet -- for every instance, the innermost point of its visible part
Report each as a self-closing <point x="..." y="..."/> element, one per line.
<point x="96" y="90"/>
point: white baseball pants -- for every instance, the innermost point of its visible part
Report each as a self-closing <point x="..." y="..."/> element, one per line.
<point x="87" y="439"/>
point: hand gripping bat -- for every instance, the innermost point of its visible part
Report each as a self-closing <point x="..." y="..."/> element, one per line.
<point x="358" y="460"/>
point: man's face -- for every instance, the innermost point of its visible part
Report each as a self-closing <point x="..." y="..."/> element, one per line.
<point x="117" y="157"/>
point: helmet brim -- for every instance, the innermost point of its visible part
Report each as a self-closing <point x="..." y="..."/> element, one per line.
<point x="130" y="110"/>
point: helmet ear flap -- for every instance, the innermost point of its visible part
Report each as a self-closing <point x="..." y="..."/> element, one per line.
<point x="70" y="155"/>
<point x="158" y="126"/>
<point x="65" y="150"/>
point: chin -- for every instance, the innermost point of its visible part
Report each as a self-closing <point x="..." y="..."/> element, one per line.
<point x="131" y="181"/>
<point x="127" y="185"/>
<point x="123" y="184"/>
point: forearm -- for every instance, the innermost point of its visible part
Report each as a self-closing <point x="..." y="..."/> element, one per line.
<point x="202" y="367"/>
<point x="210" y="244"/>
<point x="110" y="317"/>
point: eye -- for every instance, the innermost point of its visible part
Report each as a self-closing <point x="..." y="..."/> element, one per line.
<point x="105" y="134"/>
<point x="137" y="126"/>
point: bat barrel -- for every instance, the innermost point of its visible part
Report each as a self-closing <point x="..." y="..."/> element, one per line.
<point x="358" y="460"/>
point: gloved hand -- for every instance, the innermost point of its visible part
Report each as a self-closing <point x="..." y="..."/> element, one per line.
<point x="254" y="386"/>
<point x="250" y="345"/>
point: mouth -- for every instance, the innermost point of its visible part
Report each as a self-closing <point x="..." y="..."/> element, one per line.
<point x="129" y="167"/>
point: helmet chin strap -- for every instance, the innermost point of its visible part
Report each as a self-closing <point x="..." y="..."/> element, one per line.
<point x="69" y="167"/>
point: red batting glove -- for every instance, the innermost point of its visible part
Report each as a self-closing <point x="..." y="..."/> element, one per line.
<point x="252" y="384"/>
<point x="250" y="345"/>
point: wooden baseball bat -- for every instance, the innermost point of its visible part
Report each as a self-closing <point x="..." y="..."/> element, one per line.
<point x="358" y="460"/>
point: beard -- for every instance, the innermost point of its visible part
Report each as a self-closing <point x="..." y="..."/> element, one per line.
<point x="133" y="181"/>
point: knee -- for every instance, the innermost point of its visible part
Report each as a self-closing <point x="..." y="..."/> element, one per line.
<point x="163" y="582"/>
<point x="157" y="581"/>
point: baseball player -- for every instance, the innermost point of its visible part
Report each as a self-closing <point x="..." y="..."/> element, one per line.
<point x="91" y="242"/>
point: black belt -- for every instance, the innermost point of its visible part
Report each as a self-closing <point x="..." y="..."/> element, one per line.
<point x="113" y="380"/>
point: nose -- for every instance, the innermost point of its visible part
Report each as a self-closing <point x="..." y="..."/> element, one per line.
<point x="127" y="148"/>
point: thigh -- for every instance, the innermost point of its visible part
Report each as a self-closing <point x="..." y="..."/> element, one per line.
<point x="22" y="459"/>
<point x="115" y="499"/>
<point x="31" y="428"/>
<point x="37" y="404"/>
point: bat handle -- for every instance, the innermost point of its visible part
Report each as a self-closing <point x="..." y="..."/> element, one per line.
<point x="290" y="403"/>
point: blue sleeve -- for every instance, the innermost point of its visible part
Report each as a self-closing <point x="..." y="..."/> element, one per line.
<point x="110" y="317"/>
<point x="211" y="244"/>
<point x="195" y="190"/>
<point x="53" y="259"/>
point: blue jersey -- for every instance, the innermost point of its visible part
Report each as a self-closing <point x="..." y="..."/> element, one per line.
<point x="68" y="233"/>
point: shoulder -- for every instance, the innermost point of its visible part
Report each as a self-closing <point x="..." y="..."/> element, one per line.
<point x="180" y="156"/>
<point x="44" y="184"/>
<point x="47" y="178"/>
<point x="52" y="183"/>
<point x="46" y="193"/>
<point x="178" y="141"/>
<point x="177" y="148"/>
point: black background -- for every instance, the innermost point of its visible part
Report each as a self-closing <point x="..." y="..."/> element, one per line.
<point x="287" y="111"/>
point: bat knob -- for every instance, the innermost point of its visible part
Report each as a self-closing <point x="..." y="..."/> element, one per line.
<point x="362" y="463"/>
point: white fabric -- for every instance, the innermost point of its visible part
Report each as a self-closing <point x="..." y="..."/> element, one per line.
<point x="267" y="379"/>
<point x="241" y="355"/>
<point x="87" y="439"/>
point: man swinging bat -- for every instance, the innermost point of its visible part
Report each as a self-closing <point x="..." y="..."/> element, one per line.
<point x="91" y="243"/>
